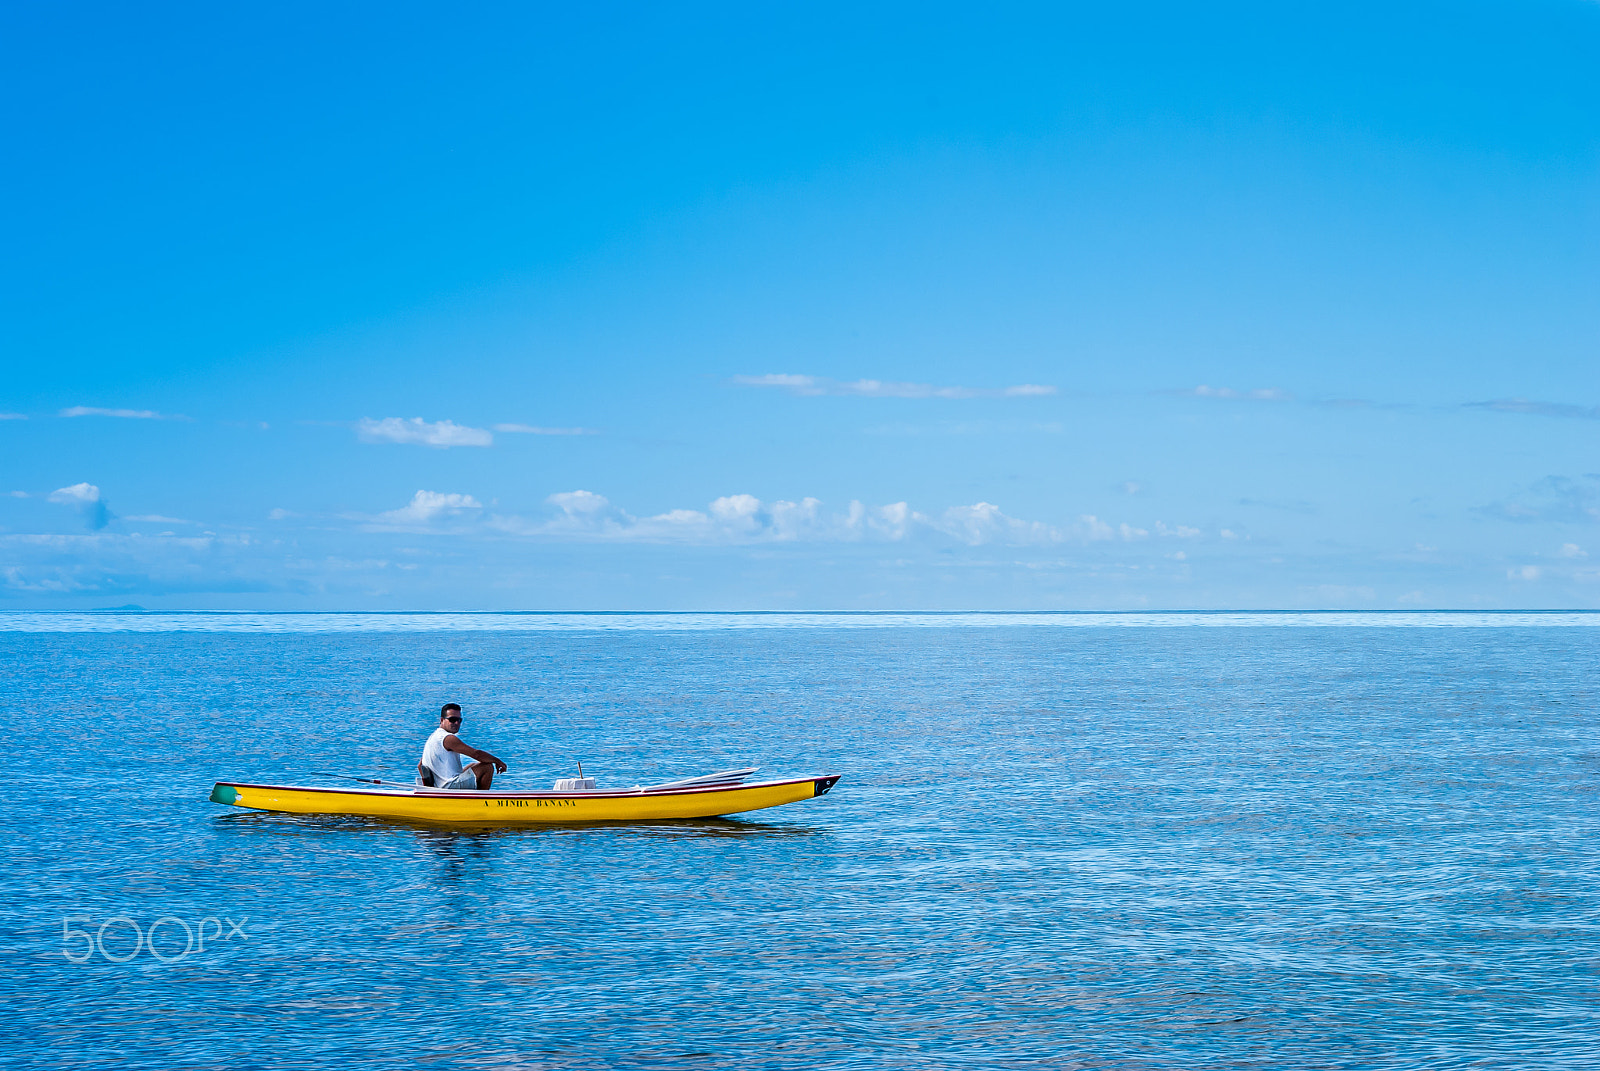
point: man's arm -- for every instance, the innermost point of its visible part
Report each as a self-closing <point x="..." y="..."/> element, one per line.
<point x="461" y="747"/>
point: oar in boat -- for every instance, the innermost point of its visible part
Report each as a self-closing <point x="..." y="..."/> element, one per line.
<point x="724" y="777"/>
<point x="370" y="780"/>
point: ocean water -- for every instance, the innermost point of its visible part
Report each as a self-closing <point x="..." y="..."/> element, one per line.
<point x="1061" y="841"/>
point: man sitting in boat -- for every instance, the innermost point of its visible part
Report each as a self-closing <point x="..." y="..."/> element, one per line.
<point x="442" y="765"/>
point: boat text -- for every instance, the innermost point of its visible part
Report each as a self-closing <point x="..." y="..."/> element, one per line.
<point x="532" y="803"/>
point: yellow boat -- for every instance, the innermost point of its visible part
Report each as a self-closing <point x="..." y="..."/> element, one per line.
<point x="494" y="808"/>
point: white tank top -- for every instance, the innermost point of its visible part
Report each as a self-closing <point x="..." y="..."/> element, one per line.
<point x="444" y="764"/>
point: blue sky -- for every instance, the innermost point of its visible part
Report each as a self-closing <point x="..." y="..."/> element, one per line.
<point x="801" y="307"/>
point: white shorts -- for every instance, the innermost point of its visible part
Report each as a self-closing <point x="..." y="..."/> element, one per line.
<point x="465" y="779"/>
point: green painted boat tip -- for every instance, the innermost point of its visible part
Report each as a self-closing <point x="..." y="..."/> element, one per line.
<point x="224" y="794"/>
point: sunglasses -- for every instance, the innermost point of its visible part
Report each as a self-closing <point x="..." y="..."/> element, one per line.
<point x="454" y="717"/>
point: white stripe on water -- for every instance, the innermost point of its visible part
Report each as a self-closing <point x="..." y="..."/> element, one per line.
<point x="229" y="621"/>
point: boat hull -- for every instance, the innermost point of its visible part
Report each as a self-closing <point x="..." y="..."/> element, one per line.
<point x="521" y="808"/>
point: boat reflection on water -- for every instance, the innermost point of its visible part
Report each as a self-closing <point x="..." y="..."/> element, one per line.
<point x="274" y="822"/>
<point x="459" y="859"/>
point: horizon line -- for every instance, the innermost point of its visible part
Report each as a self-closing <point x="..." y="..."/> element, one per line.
<point x="133" y="609"/>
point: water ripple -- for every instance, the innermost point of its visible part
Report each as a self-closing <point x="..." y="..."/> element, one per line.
<point x="1095" y="846"/>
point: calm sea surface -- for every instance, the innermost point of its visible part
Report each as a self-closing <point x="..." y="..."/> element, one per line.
<point x="1099" y="841"/>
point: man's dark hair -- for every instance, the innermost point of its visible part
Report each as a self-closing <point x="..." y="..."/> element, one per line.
<point x="448" y="707"/>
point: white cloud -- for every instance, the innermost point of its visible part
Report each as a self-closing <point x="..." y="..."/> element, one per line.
<point x="87" y="498"/>
<point x="731" y="518"/>
<point x="1269" y="394"/>
<point x="792" y="520"/>
<point x="579" y="503"/>
<point x="1523" y="572"/>
<point x="426" y="507"/>
<point x="1572" y="550"/>
<point x="126" y="414"/>
<point x="279" y="514"/>
<point x="739" y="512"/>
<point x="13" y="416"/>
<point x="1091" y="529"/>
<point x="745" y="519"/>
<point x="818" y="386"/>
<point x="529" y="429"/>
<point x="798" y="384"/>
<point x="79" y="494"/>
<point x="441" y="434"/>
<point x="983" y="522"/>
<point x="1095" y="529"/>
<point x="18" y="494"/>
